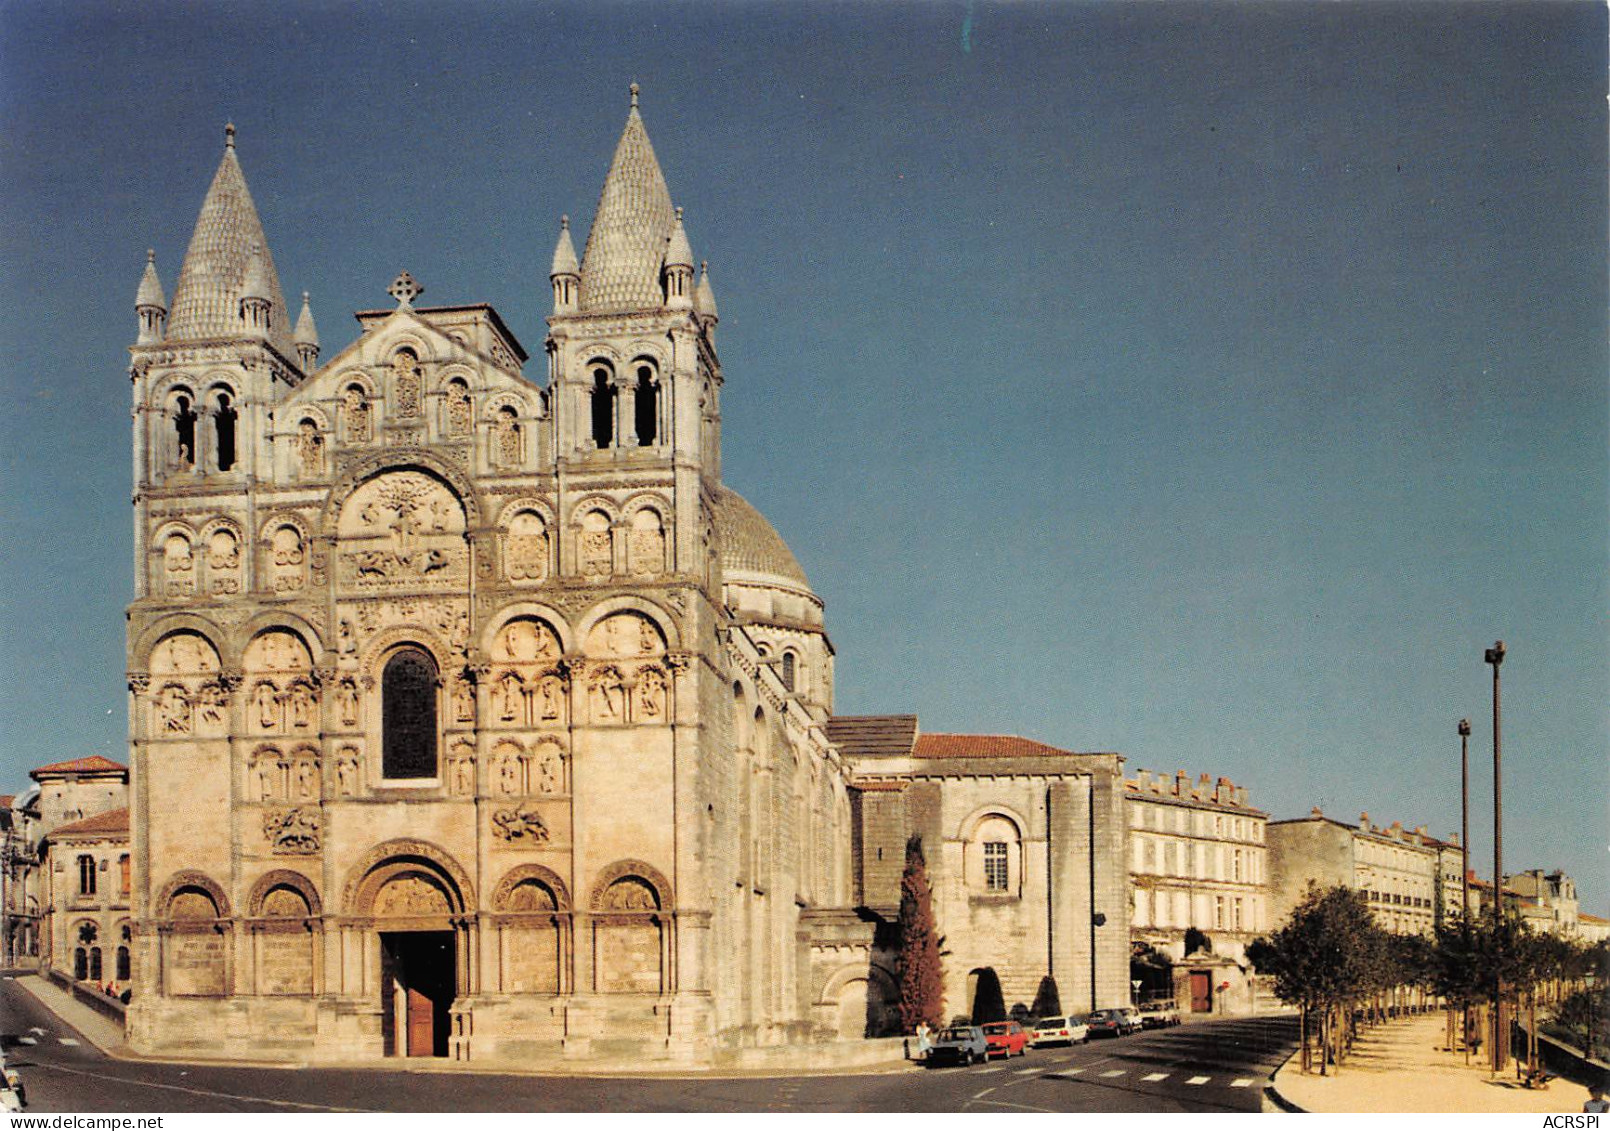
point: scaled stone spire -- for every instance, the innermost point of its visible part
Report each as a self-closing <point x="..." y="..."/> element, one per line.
<point x="307" y="336"/>
<point x="620" y="268"/>
<point x="704" y="299"/>
<point x="206" y="299"/>
<point x="150" y="304"/>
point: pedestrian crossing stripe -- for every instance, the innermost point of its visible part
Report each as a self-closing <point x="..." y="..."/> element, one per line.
<point x="1027" y="1071"/>
<point x="27" y="1041"/>
<point x="1114" y="1072"/>
<point x="1072" y="1071"/>
<point x="997" y="1068"/>
<point x="1199" y="1079"/>
<point x="1155" y="1077"/>
<point x="1244" y="1082"/>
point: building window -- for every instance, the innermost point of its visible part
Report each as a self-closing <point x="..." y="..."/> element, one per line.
<point x="123" y="974"/>
<point x="788" y="671"/>
<point x="995" y="865"/>
<point x="123" y="875"/>
<point x="1237" y="866"/>
<point x="1218" y="911"/>
<point x="224" y="421"/>
<point x="95" y="964"/>
<point x="1238" y="914"/>
<point x="408" y="712"/>
<point x="1150" y="855"/>
<point x="603" y="403"/>
<point x="184" y="429"/>
<point x="80" y="963"/>
<point x="86" y="875"/>
<point x="647" y="407"/>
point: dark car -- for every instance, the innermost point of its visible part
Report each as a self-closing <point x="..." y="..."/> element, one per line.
<point x="1107" y="1023"/>
<point x="959" y="1044"/>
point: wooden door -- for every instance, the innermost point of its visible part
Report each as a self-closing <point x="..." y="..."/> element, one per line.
<point x="1201" y="992"/>
<point x="421" y="1023"/>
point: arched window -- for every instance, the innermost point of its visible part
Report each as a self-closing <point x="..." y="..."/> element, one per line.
<point x="86" y="875"/>
<point x="80" y="963"/>
<point x="788" y="670"/>
<point x="184" y="432"/>
<point x="995" y="857"/>
<point x="123" y="875"/>
<point x="648" y="407"/>
<point x="603" y="409"/>
<point x="123" y="972"/>
<point x="408" y="710"/>
<point x="224" y="421"/>
<point x="95" y="964"/>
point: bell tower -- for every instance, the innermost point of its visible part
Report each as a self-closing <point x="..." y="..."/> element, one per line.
<point x="634" y="380"/>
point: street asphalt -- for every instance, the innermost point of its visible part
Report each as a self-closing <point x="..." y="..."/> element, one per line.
<point x="1220" y="1065"/>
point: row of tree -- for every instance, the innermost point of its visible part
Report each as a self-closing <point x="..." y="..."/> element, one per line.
<point x="1343" y="971"/>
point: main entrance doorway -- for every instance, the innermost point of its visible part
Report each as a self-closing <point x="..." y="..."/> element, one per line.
<point x="418" y="980"/>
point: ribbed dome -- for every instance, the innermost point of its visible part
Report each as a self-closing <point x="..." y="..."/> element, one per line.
<point x="749" y="544"/>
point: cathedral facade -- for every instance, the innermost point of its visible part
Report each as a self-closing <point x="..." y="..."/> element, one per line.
<point x="472" y="715"/>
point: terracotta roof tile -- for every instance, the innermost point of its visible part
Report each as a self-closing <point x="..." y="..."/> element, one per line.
<point x="983" y="746"/>
<point x="873" y="736"/>
<point x="112" y="821"/>
<point x="93" y="764"/>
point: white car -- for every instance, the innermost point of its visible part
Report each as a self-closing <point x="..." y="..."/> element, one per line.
<point x="1058" y="1031"/>
<point x="9" y="1100"/>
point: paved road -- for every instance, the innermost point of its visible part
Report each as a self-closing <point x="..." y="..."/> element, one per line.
<point x="1208" y="1066"/>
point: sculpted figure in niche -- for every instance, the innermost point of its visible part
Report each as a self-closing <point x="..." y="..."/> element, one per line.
<point x="512" y="697"/>
<point x="210" y="704"/>
<point x="550" y="769"/>
<point x="344" y="637"/>
<point x="526" y="548"/>
<point x="304" y="778"/>
<point x="355" y="414"/>
<point x="310" y="449"/>
<point x="459" y="415"/>
<point x="301" y="706"/>
<point x="524" y="640"/>
<point x="346" y="702"/>
<point x="506" y="438"/>
<point x="266" y="701"/>
<point x="551" y="694"/>
<point x="647" y="551"/>
<point x="464" y="702"/>
<point x="174" y="709"/>
<point x="346" y="772"/>
<point x="183" y="653"/>
<point x="463" y="775"/>
<point x="597" y="546"/>
<point x="509" y="774"/>
<point x="223" y="559"/>
<point x="180" y="563"/>
<point x="268" y="776"/>
<point x="408" y="380"/>
<point x="651" y="693"/>
<point x="411" y="895"/>
<point x="610" y="690"/>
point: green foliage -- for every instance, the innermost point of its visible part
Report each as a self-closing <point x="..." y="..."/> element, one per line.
<point x="1197" y="942"/>
<point x="1047" y="1001"/>
<point x="1331" y="951"/>
<point x="988" y="1002"/>
<point x="922" y="975"/>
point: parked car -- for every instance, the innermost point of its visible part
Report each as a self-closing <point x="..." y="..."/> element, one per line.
<point x="1059" y="1031"/>
<point x="1108" y="1023"/>
<point x="1159" y="1015"/>
<point x="1006" y="1039"/>
<point x="9" y="1100"/>
<point x="1132" y="1018"/>
<point x="959" y="1044"/>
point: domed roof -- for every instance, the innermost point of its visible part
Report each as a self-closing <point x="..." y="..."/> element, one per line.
<point x="749" y="544"/>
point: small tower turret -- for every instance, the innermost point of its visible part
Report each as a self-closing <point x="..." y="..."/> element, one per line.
<point x="679" y="268"/>
<point x="307" y="337"/>
<point x="566" y="271"/>
<point x="150" y="304"/>
<point x="704" y="299"/>
<point x="256" y="300"/>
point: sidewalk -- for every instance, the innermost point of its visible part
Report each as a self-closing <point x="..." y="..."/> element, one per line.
<point x="100" y="1031"/>
<point x="1400" y="1066"/>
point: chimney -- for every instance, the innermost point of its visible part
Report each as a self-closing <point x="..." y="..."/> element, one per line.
<point x="1364" y="821"/>
<point x="1316" y="812"/>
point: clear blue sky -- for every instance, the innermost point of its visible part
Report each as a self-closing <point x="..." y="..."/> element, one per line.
<point x="1209" y="383"/>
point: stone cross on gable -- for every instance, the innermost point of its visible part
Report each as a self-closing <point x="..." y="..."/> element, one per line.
<point x="405" y="290"/>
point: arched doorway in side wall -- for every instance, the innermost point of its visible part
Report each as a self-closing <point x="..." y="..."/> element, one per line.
<point x="985" y="1003"/>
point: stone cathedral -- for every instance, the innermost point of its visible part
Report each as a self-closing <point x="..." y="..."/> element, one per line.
<point x="473" y="716"/>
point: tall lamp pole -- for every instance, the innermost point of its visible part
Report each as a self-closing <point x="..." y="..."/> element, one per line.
<point x="1464" y="864"/>
<point x="1495" y="657"/>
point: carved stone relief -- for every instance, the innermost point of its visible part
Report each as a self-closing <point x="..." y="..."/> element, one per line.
<point x="402" y="529"/>
<point x="526" y="548"/>
<point x="355" y="415"/>
<point x="179" y="566"/>
<point x="411" y="895"/>
<point x="287" y="559"/>
<point x="597" y="549"/>
<point x="223" y="563"/>
<point x="646" y="550"/>
<point x="408" y="383"/>
<point x="520" y="824"/>
<point x="309" y="450"/>
<point x="292" y="831"/>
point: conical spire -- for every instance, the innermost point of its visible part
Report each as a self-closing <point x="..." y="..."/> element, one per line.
<point x="680" y="252"/>
<point x="206" y="299"/>
<point x="620" y="269"/>
<point x="150" y="292"/>
<point x="704" y="299"/>
<point x="254" y="285"/>
<point x="307" y="334"/>
<point x="564" y="252"/>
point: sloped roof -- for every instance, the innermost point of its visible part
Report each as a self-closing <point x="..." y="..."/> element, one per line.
<point x="983" y="746"/>
<point x="873" y="736"/>
<point x="111" y="822"/>
<point x="750" y="544"/>
<point x="620" y="268"/>
<point x="93" y="764"/>
<point x="150" y="292"/>
<point x="207" y="296"/>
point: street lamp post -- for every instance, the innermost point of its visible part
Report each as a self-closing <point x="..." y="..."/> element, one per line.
<point x="1464" y="863"/>
<point x="1495" y="657"/>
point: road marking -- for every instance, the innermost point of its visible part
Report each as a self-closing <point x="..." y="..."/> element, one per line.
<point x="984" y="1093"/>
<point x="1073" y="1071"/>
<point x="1244" y="1082"/>
<point x="993" y="1068"/>
<point x="27" y="1040"/>
<point x="1027" y="1071"/>
<point x="1155" y="1077"/>
<point x="1111" y="1072"/>
<point x="36" y="1030"/>
<point x="1199" y="1079"/>
<point x="103" y="1076"/>
<point x="67" y="1040"/>
<point x="1020" y="1107"/>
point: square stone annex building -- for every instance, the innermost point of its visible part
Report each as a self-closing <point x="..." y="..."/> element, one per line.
<point x="474" y="716"/>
